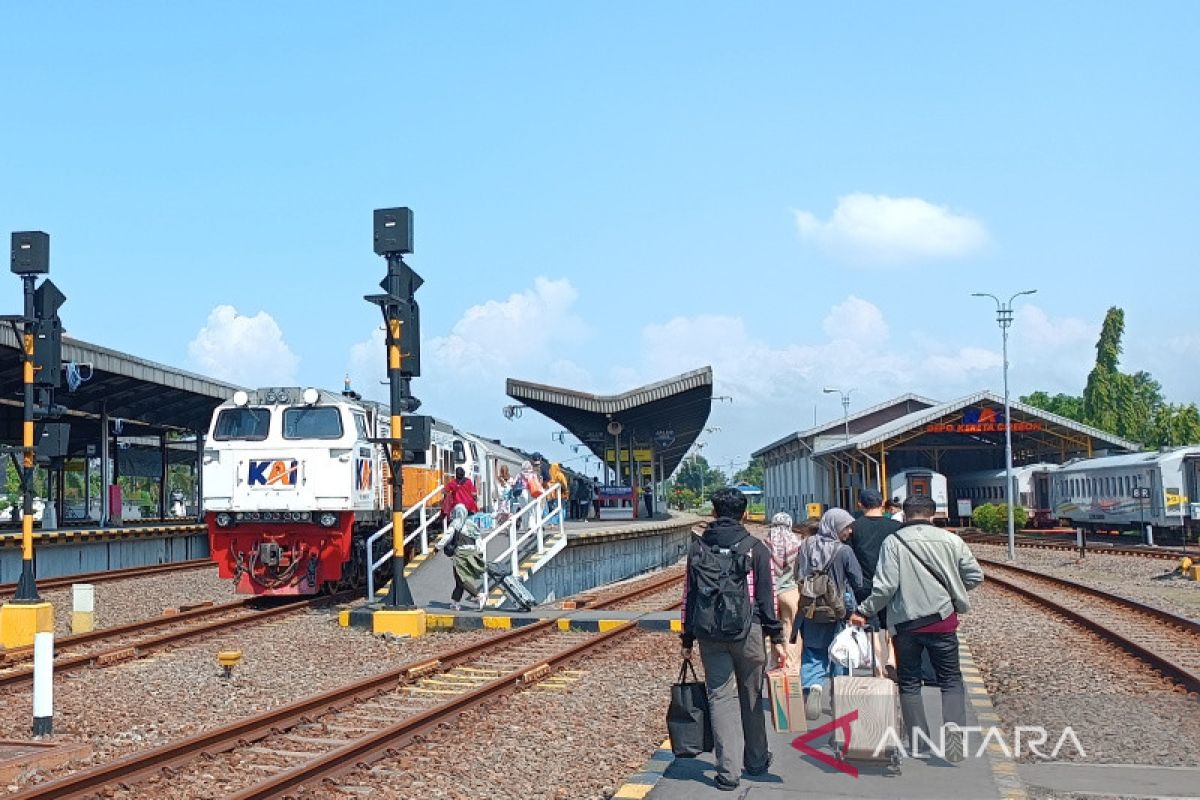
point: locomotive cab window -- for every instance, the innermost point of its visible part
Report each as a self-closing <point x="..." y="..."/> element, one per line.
<point x="360" y="425"/>
<point x="250" y="424"/>
<point x="312" y="422"/>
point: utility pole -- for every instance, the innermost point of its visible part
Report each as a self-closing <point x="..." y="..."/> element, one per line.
<point x="1004" y="316"/>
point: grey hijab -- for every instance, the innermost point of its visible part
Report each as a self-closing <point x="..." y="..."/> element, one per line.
<point x="819" y="550"/>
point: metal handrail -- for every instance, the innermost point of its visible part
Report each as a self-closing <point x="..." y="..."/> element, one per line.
<point x="534" y="508"/>
<point x="421" y="506"/>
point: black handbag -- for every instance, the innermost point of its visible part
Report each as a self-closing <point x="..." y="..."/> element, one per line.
<point x="451" y="545"/>
<point x="688" y="721"/>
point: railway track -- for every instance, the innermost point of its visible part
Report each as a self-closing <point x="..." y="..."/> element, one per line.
<point x="1170" y="554"/>
<point x="123" y="642"/>
<point x="315" y="737"/>
<point x="113" y="574"/>
<point x="1165" y="641"/>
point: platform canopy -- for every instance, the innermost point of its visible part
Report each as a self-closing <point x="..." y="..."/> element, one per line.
<point x="666" y="416"/>
<point x="149" y="398"/>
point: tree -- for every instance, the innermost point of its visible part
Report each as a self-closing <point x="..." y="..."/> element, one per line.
<point x="1064" y="405"/>
<point x="1102" y="399"/>
<point x="752" y="473"/>
<point x="1130" y="406"/>
<point x="695" y="473"/>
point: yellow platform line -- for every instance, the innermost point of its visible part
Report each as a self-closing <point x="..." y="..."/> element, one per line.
<point x="1004" y="768"/>
<point x="639" y="786"/>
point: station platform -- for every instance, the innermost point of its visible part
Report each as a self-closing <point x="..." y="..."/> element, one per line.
<point x="69" y="551"/>
<point x="439" y="617"/>
<point x="981" y="776"/>
<point x="597" y="553"/>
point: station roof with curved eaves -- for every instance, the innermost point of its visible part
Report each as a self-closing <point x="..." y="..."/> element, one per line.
<point x="667" y="416"/>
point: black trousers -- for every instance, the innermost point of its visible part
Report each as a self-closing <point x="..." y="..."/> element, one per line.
<point x="943" y="654"/>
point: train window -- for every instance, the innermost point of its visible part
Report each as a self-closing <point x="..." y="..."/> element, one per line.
<point x="360" y="425"/>
<point x="1127" y="486"/>
<point x="312" y="422"/>
<point x="251" y="424"/>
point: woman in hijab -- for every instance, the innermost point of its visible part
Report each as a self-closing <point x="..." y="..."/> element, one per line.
<point x="463" y="546"/>
<point x="785" y="547"/>
<point x="827" y="552"/>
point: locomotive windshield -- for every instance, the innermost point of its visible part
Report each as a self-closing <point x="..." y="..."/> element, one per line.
<point x="251" y="424"/>
<point x="310" y="422"/>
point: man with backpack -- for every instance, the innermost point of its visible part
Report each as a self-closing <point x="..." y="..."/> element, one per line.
<point x="922" y="579"/>
<point x="729" y="606"/>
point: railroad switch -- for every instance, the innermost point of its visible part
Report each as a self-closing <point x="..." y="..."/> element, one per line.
<point x="228" y="659"/>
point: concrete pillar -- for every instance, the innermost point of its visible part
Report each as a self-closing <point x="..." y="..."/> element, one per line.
<point x="105" y="475"/>
<point x="83" y="607"/>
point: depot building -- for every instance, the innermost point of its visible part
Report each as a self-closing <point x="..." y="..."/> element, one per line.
<point x="953" y="451"/>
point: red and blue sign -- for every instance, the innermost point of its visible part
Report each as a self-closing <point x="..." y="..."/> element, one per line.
<point x="275" y="473"/>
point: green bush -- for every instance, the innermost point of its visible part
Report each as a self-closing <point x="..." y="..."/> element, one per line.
<point x="993" y="517"/>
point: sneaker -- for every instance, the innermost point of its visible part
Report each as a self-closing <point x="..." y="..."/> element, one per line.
<point x="812" y="703"/>
<point x="725" y="785"/>
<point x="763" y="769"/>
<point x="455" y="605"/>
<point x="955" y="752"/>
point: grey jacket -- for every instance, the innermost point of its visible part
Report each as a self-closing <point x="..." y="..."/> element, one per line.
<point x="910" y="594"/>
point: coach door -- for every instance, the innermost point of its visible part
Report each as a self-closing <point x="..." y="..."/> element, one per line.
<point x="919" y="485"/>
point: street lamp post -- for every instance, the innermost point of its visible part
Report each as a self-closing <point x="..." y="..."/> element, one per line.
<point x="845" y="406"/>
<point x="1004" y="316"/>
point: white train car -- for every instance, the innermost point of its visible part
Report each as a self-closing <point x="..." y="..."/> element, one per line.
<point x="912" y="482"/>
<point x="1159" y="488"/>
<point x="1031" y="490"/>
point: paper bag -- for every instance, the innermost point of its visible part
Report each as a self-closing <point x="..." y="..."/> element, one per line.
<point x="785" y="692"/>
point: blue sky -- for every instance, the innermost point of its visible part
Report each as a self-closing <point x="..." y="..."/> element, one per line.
<point x="607" y="194"/>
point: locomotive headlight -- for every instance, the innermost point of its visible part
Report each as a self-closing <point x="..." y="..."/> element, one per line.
<point x="311" y="396"/>
<point x="327" y="519"/>
<point x="224" y="520"/>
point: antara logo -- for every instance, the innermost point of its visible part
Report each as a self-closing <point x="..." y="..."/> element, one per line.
<point x="364" y="474"/>
<point x="273" y="473"/>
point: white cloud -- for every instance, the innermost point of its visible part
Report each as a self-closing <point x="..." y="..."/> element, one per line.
<point x="246" y="350"/>
<point x="881" y="230"/>
<point x="527" y="331"/>
<point x="856" y="320"/>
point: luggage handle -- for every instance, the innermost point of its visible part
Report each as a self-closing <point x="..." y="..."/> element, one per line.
<point x="683" y="670"/>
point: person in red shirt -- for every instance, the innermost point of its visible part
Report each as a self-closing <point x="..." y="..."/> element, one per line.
<point x="459" y="491"/>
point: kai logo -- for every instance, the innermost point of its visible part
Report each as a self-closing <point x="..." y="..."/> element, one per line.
<point x="364" y="475"/>
<point x="278" y="473"/>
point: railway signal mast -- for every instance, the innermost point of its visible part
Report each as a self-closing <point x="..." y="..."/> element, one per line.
<point x="401" y="316"/>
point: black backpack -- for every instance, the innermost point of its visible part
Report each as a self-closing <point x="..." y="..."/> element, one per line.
<point x="719" y="608"/>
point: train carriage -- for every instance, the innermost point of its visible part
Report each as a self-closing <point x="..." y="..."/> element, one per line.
<point x="1157" y="488"/>
<point x="1031" y="484"/>
<point x="912" y="482"/>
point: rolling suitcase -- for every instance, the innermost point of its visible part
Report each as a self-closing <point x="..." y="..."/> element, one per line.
<point x="877" y="701"/>
<point x="513" y="589"/>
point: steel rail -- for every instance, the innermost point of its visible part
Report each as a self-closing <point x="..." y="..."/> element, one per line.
<point x="151" y="762"/>
<point x="75" y="639"/>
<point x="1165" y="665"/>
<point x="141" y="647"/>
<point x="351" y="754"/>
<point x="114" y="574"/>
<point x="1097" y="549"/>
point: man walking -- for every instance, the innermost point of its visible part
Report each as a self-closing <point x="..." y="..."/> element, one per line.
<point x="922" y="579"/>
<point x="728" y="606"/>
<point x="870" y="531"/>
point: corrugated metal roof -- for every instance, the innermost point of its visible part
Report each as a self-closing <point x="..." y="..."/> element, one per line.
<point x="866" y="412"/>
<point x="916" y="419"/>
<point x="609" y="404"/>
